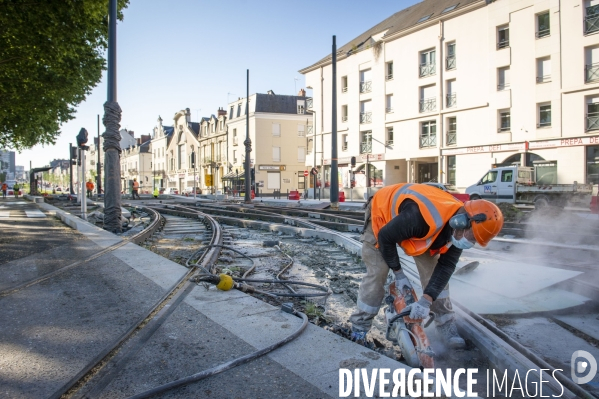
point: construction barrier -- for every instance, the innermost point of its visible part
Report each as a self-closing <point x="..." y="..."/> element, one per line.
<point x="294" y="195"/>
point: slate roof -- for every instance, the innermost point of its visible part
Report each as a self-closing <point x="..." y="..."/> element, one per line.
<point x="277" y="104"/>
<point x="194" y="127"/>
<point x="398" y="22"/>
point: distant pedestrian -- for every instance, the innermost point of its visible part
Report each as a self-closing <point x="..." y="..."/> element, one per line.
<point x="4" y="188"/>
<point x="16" y="189"/>
<point x="156" y="192"/>
<point x="89" y="187"/>
<point x="135" y="189"/>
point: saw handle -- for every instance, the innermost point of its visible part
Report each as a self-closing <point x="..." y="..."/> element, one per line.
<point x="404" y="313"/>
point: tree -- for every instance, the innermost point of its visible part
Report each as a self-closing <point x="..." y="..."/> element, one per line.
<point x="51" y="57"/>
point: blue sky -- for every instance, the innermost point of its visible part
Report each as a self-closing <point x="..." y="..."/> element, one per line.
<point x="194" y="54"/>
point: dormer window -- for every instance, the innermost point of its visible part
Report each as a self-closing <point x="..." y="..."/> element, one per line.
<point x="424" y="18"/>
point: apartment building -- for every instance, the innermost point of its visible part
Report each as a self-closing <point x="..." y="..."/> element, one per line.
<point x="277" y="130"/>
<point x="161" y="137"/>
<point x="181" y="157"/>
<point x="445" y="89"/>
<point x="91" y="156"/>
<point x="136" y="164"/>
<point x="212" y="151"/>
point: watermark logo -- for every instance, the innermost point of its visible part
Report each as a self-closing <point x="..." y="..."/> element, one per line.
<point x="589" y="364"/>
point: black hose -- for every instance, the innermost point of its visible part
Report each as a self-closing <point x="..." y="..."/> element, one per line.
<point x="225" y="366"/>
<point x="325" y="290"/>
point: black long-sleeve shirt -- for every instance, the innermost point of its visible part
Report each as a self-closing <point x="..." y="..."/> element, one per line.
<point x="410" y="223"/>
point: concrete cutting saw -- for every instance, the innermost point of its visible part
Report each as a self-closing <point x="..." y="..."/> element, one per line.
<point x="407" y="333"/>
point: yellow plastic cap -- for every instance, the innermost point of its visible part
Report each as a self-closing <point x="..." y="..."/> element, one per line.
<point x="226" y="282"/>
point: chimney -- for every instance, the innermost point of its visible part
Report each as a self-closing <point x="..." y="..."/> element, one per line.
<point x="138" y="141"/>
<point x="132" y="133"/>
<point x="187" y="115"/>
<point x="145" y="137"/>
<point x="221" y="112"/>
<point x="302" y="93"/>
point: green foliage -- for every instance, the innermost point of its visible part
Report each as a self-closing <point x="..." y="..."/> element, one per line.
<point x="51" y="57"/>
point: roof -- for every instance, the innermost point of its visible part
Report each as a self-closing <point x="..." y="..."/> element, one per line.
<point x="194" y="127"/>
<point x="278" y="104"/>
<point x="401" y="20"/>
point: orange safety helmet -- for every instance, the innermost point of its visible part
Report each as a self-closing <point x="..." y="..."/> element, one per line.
<point x="486" y="227"/>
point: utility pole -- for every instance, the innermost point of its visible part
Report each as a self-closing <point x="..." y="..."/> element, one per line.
<point x="112" y="136"/>
<point x="248" y="144"/>
<point x="98" y="166"/>
<point x="334" y="162"/>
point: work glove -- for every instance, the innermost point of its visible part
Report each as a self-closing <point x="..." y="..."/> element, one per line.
<point x="419" y="310"/>
<point x="402" y="284"/>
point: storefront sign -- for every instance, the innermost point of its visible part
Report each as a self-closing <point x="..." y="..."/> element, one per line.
<point x="484" y="148"/>
<point x="593" y="140"/>
<point x="272" y="167"/>
<point x="362" y="158"/>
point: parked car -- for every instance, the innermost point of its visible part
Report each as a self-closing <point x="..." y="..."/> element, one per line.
<point x="171" y="190"/>
<point x="189" y="190"/>
<point x="450" y="188"/>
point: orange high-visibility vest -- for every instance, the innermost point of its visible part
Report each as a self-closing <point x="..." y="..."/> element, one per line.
<point x="436" y="207"/>
<point x="135" y="185"/>
<point x="89" y="185"/>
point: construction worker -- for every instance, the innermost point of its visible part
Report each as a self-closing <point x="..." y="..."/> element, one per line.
<point x="4" y="188"/>
<point x="433" y="227"/>
<point x="135" y="189"/>
<point x="156" y="192"/>
<point x="16" y="189"/>
<point x="89" y="187"/>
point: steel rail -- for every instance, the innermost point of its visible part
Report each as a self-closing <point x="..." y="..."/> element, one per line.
<point x="136" y="239"/>
<point x="104" y="367"/>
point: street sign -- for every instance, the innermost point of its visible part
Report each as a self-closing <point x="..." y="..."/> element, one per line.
<point x="306" y="173"/>
<point x="208" y="180"/>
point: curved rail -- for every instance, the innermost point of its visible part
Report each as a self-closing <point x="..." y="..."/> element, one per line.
<point x="136" y="239"/>
<point x="104" y="367"/>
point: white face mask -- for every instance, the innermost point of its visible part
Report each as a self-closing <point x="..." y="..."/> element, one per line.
<point x="462" y="243"/>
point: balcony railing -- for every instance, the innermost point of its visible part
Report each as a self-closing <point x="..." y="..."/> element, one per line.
<point x="310" y="129"/>
<point x="543" y="31"/>
<point x="544" y="79"/>
<point x="389" y="76"/>
<point x="366" y="87"/>
<point x="450" y="62"/>
<point x="366" y="147"/>
<point x="235" y="140"/>
<point x="451" y="100"/>
<point x="344" y="147"/>
<point x="428" y="141"/>
<point x="389" y="110"/>
<point x="504" y="128"/>
<point x="427" y="69"/>
<point x="309" y="102"/>
<point x="344" y="89"/>
<point x="502" y="86"/>
<point x="428" y="104"/>
<point x="592" y="121"/>
<point x="344" y="118"/>
<point x="591" y="72"/>
<point x="452" y="137"/>
<point x="366" y="117"/>
<point x="503" y="43"/>
<point x="389" y="142"/>
<point x="591" y="23"/>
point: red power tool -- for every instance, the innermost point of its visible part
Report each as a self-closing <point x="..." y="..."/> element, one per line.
<point x="407" y="333"/>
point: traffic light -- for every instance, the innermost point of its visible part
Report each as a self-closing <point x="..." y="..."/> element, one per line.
<point x="193" y="159"/>
<point x="353" y="162"/>
<point x="252" y="174"/>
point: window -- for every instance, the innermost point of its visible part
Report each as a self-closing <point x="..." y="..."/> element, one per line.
<point x="366" y="142"/>
<point x="235" y="137"/>
<point x="428" y="134"/>
<point x="389" y="104"/>
<point x="506" y="176"/>
<point x="276" y="154"/>
<point x="344" y="113"/>
<point x="503" y="37"/>
<point x="504" y="120"/>
<point x="450" y="61"/>
<point x="543" y="70"/>
<point x="234" y="156"/>
<point x="238" y="110"/>
<point x="593" y="164"/>
<point x="366" y="111"/>
<point x="451" y="99"/>
<point x="427" y="63"/>
<point x="450" y="8"/>
<point x="544" y="115"/>
<point x="591" y="21"/>
<point x="428" y="98"/>
<point x="592" y="113"/>
<point x="389" y="70"/>
<point x="213" y="126"/>
<point x="343" y="84"/>
<point x="503" y="78"/>
<point x="543" y="25"/>
<point x="451" y="169"/>
<point x="452" y="128"/>
<point x="276" y="129"/>
<point x="365" y="81"/>
<point x="389" y="136"/>
<point x="489" y="177"/>
<point x="301" y="180"/>
<point x="231" y="113"/>
<point x="301" y="130"/>
<point x="301" y="154"/>
<point x="424" y="18"/>
<point x="344" y="142"/>
<point x="591" y="68"/>
<point x="300" y="109"/>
